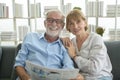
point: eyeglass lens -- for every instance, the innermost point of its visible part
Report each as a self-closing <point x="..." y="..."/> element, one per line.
<point x="51" y="20"/>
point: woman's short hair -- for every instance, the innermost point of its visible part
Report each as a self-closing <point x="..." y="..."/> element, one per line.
<point x="75" y="15"/>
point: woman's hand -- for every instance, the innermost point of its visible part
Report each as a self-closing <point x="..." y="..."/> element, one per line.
<point x="70" y="47"/>
<point x="65" y="41"/>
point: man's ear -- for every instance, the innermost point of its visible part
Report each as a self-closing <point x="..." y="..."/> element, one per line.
<point x="45" y="23"/>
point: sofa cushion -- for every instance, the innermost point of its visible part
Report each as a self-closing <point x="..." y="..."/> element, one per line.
<point x="113" y="49"/>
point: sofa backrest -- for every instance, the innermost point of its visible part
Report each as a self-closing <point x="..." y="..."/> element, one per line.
<point x="0" y="52"/>
<point x="14" y="74"/>
<point x="113" y="49"/>
<point x="7" y="61"/>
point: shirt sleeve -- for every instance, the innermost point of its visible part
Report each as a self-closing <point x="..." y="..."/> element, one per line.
<point x="97" y="57"/>
<point x="22" y="53"/>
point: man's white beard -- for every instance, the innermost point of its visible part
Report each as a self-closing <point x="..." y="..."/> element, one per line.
<point x="53" y="31"/>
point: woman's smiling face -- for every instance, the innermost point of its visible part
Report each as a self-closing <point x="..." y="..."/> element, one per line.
<point x="77" y="26"/>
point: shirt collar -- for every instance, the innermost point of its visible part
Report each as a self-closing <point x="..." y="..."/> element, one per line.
<point x="41" y="35"/>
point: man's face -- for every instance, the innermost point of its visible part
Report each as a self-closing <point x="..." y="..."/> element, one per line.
<point x="54" y="24"/>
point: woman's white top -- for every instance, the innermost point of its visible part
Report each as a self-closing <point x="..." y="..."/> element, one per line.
<point x="93" y="60"/>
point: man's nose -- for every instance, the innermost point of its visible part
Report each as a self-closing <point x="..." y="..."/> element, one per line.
<point x="54" y="22"/>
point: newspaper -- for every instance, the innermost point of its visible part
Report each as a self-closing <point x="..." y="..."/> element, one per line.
<point x="38" y="72"/>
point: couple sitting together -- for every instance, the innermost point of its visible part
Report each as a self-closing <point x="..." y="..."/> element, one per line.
<point x="86" y="50"/>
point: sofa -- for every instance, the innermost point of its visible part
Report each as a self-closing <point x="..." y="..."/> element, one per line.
<point x="8" y="54"/>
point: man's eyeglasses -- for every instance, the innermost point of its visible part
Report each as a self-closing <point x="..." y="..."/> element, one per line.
<point x="51" y="20"/>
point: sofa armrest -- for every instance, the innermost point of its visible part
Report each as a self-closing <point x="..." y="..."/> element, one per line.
<point x="113" y="49"/>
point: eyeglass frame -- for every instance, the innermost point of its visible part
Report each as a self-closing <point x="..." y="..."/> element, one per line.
<point x="57" y="21"/>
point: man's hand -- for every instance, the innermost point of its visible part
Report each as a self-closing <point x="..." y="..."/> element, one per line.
<point x="22" y="73"/>
<point x="25" y="77"/>
<point x="79" y="77"/>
